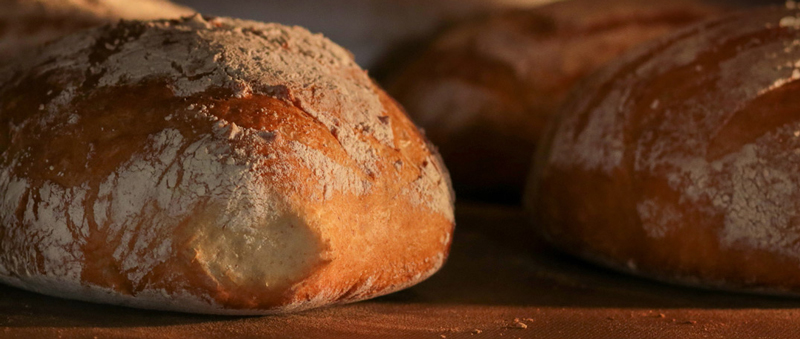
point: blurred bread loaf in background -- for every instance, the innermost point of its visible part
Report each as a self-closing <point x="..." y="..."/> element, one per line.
<point x="485" y="88"/>
<point x="681" y="161"/>
<point x="28" y="23"/>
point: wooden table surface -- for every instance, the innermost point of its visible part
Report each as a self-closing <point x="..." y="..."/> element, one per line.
<point x="500" y="282"/>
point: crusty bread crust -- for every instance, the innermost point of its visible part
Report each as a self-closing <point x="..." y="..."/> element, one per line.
<point x="25" y="24"/>
<point x="212" y="166"/>
<point x="680" y="160"/>
<point x="484" y="90"/>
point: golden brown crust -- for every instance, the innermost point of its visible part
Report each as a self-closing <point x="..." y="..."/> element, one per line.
<point x="212" y="166"/>
<point x="679" y="161"/>
<point x="485" y="89"/>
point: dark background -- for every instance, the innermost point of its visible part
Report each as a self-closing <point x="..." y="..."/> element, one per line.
<point x="369" y="28"/>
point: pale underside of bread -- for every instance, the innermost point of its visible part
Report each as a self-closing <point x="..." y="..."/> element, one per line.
<point x="213" y="166"/>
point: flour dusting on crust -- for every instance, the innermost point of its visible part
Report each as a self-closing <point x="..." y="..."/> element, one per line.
<point x="699" y="145"/>
<point x="199" y="211"/>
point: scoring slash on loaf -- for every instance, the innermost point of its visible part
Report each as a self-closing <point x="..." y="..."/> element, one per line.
<point x="25" y="24"/>
<point x="212" y="165"/>
<point x="681" y="161"/>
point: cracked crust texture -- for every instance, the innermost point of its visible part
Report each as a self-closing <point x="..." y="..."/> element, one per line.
<point x="484" y="89"/>
<point x="681" y="161"/>
<point x="25" y="24"/>
<point x="212" y="165"/>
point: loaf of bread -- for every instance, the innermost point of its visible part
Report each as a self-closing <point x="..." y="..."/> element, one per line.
<point x="484" y="89"/>
<point x="212" y="165"/>
<point x="25" y="24"/>
<point x="681" y="161"/>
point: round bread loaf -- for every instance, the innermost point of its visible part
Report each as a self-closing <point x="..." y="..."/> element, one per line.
<point x="485" y="89"/>
<point x="212" y="166"/>
<point x="681" y="161"/>
<point x="25" y="24"/>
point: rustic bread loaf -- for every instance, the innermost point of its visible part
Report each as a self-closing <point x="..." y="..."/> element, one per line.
<point x="214" y="166"/>
<point x="25" y="24"/>
<point x="484" y="89"/>
<point x="681" y="161"/>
